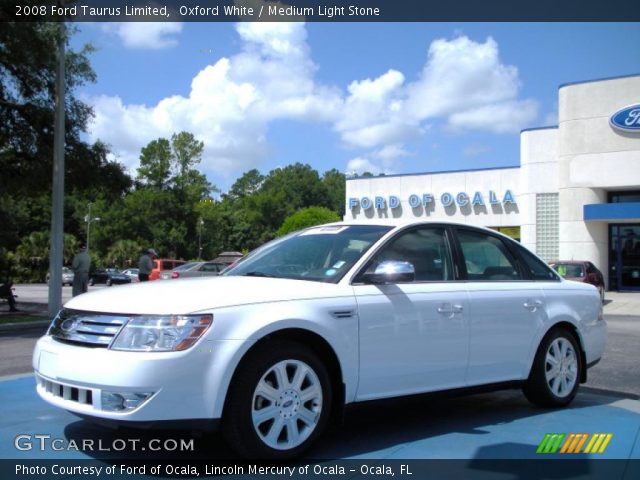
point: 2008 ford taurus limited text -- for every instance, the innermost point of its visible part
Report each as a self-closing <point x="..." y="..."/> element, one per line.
<point x="321" y="318"/>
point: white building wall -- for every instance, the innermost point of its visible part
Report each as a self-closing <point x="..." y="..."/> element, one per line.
<point x="538" y="174"/>
<point x="593" y="159"/>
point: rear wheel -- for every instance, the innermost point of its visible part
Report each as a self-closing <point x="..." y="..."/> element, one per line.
<point x="556" y="372"/>
<point x="601" y="290"/>
<point x="108" y="282"/>
<point x="278" y="403"/>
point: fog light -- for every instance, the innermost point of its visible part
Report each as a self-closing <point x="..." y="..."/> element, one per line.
<point x="123" y="401"/>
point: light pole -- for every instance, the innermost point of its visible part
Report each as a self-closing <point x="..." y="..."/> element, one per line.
<point x="200" y="224"/>
<point x="88" y="218"/>
<point x="57" y="197"/>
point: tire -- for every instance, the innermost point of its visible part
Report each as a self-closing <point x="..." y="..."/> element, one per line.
<point x="556" y="371"/>
<point x="266" y="414"/>
<point x="91" y="282"/>
<point x="601" y="290"/>
<point x="109" y="283"/>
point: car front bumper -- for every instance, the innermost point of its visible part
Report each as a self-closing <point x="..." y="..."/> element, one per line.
<point x="184" y="385"/>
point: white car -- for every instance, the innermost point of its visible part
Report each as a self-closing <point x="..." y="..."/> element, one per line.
<point x="329" y="316"/>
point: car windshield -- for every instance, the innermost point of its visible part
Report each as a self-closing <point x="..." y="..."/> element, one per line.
<point x="570" y="270"/>
<point x="321" y="254"/>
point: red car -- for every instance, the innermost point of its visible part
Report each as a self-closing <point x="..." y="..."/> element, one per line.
<point x="581" y="271"/>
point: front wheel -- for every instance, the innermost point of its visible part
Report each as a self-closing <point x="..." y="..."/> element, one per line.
<point x="278" y="403"/>
<point x="556" y="372"/>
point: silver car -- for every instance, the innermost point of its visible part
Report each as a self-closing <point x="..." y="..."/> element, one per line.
<point x="67" y="276"/>
<point x="194" y="269"/>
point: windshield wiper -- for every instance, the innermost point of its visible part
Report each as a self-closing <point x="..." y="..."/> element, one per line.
<point x="258" y="274"/>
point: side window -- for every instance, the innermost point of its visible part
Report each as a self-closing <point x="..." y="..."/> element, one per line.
<point x="155" y="264"/>
<point x="167" y="265"/>
<point x="536" y="268"/>
<point x="209" y="267"/>
<point x="486" y="257"/>
<point x="426" y="249"/>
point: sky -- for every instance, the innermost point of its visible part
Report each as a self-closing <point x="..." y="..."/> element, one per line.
<point x="380" y="97"/>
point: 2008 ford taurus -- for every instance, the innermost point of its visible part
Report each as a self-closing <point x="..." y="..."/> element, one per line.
<point x="324" y="317"/>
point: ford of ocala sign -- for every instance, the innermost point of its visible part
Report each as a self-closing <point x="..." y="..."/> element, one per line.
<point x="627" y="119"/>
<point x="447" y="199"/>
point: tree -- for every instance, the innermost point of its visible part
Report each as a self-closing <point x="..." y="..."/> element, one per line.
<point x="27" y="103"/>
<point x="307" y="217"/>
<point x="248" y="184"/>
<point x="155" y="164"/>
<point x="124" y="253"/>
<point x="335" y="184"/>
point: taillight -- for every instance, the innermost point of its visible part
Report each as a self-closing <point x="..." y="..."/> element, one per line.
<point x="175" y="274"/>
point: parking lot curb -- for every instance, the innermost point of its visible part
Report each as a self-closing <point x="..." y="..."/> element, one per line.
<point x="8" y="327"/>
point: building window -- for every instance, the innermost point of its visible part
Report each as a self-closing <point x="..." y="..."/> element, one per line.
<point x="624" y="197"/>
<point x="547" y="226"/>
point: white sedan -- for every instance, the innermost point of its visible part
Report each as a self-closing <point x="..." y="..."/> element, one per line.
<point x="329" y="316"/>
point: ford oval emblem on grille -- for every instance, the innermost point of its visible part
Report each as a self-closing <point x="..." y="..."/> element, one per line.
<point x="68" y="325"/>
<point x="627" y="119"/>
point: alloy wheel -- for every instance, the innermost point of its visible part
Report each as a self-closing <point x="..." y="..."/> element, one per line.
<point x="287" y="404"/>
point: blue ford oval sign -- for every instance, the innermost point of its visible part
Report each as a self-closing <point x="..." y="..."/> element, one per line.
<point x="627" y="119"/>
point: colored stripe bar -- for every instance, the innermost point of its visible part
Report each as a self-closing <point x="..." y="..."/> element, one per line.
<point x="606" y="442"/>
<point x="543" y="443"/>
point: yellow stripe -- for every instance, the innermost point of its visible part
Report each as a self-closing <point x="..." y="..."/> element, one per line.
<point x="598" y="442"/>
<point x="605" y="443"/>
<point x="584" y="439"/>
<point x="591" y="442"/>
<point x="567" y="442"/>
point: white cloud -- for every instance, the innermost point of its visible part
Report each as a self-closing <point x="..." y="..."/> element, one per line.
<point x="507" y="117"/>
<point x="360" y="165"/>
<point x="461" y="74"/>
<point x="146" y="35"/>
<point x="232" y="102"/>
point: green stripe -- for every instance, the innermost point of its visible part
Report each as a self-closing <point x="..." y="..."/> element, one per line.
<point x="542" y="444"/>
<point x="549" y="446"/>
<point x="558" y="442"/>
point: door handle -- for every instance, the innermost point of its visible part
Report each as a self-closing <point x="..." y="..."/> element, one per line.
<point x="532" y="304"/>
<point x="448" y="309"/>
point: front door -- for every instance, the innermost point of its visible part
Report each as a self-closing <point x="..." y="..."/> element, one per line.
<point x="413" y="336"/>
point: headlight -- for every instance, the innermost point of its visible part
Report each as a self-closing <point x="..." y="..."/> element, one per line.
<point x="162" y="333"/>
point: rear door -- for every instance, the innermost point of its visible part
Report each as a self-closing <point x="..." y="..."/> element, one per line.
<point x="506" y="308"/>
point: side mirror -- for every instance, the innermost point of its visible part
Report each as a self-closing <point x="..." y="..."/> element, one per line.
<point x="391" y="271"/>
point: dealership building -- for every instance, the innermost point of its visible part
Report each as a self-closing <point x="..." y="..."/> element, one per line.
<point x="574" y="196"/>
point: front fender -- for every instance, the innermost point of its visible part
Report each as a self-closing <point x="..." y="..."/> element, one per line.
<point x="238" y="329"/>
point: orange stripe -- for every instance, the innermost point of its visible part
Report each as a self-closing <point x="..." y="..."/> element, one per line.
<point x="575" y="442"/>
<point x="567" y="442"/>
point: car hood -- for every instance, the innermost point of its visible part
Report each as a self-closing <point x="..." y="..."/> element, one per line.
<point x="197" y="294"/>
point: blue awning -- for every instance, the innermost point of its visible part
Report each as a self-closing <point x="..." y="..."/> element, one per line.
<point x="612" y="212"/>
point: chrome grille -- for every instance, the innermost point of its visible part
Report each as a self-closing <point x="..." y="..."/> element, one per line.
<point x="87" y="328"/>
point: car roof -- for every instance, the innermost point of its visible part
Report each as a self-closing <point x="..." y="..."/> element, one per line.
<point x="401" y="224"/>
